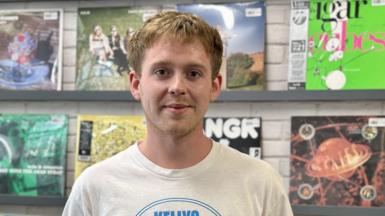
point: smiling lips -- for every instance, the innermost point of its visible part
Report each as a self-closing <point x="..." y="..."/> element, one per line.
<point x="176" y="107"/>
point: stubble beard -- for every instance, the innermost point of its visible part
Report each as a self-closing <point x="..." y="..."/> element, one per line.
<point x="177" y="130"/>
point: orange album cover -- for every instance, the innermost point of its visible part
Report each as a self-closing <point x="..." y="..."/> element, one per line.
<point x="338" y="161"/>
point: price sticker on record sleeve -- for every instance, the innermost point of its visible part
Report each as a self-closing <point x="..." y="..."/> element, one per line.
<point x="376" y="122"/>
<point x="148" y="14"/>
<point x="85" y="12"/>
<point x="255" y="152"/>
<point x="9" y="18"/>
<point x="378" y="2"/>
<point x="253" y="12"/>
<point x="51" y="15"/>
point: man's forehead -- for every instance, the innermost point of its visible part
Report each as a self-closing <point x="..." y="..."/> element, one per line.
<point x="171" y="38"/>
<point x="167" y="50"/>
<point x="171" y="41"/>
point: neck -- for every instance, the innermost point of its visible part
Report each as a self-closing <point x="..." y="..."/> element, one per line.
<point x="173" y="152"/>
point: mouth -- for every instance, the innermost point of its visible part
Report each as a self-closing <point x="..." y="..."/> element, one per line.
<point x="176" y="107"/>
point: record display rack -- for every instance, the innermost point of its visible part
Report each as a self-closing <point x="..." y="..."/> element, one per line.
<point x="35" y="201"/>
<point x="226" y="96"/>
<point x="14" y="1"/>
<point x="337" y="211"/>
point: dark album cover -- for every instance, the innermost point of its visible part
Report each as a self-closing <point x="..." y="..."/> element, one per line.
<point x="338" y="161"/>
<point x="241" y="133"/>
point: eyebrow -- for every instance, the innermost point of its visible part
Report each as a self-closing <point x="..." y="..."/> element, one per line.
<point x="169" y="63"/>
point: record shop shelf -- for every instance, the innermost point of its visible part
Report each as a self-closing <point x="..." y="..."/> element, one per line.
<point x="337" y="211"/>
<point x="226" y="96"/>
<point x="34" y="201"/>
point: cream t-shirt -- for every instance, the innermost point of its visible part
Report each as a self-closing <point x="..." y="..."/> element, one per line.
<point x="226" y="183"/>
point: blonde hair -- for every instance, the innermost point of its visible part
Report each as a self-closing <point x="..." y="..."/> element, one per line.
<point x="184" y="27"/>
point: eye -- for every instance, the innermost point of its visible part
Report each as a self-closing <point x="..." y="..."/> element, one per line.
<point x="161" y="73"/>
<point x="194" y="74"/>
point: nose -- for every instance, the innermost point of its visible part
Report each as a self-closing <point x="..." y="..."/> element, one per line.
<point x="178" y="85"/>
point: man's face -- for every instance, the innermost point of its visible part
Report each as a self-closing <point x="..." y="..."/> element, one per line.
<point x="175" y="86"/>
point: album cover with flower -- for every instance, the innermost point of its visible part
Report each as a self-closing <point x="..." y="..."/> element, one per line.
<point x="31" y="49"/>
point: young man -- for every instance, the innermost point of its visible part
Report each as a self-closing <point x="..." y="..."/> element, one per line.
<point x="176" y="170"/>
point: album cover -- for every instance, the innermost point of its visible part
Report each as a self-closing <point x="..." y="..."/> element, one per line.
<point x="101" y="136"/>
<point x="31" y="49"/>
<point x="299" y="21"/>
<point x="33" y="154"/>
<point x="338" y="161"/>
<point x="102" y="39"/>
<point x="346" y="45"/>
<point x="241" y="133"/>
<point x="242" y="28"/>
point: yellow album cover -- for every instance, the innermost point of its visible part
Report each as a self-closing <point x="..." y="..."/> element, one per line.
<point x="101" y="136"/>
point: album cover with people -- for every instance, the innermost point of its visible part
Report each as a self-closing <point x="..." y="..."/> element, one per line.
<point x="102" y="39"/>
<point x="241" y="133"/>
<point x="33" y="154"/>
<point x="242" y="28"/>
<point x="346" y="45"/>
<point x="31" y="49"/>
<point x="337" y="161"/>
<point x="102" y="136"/>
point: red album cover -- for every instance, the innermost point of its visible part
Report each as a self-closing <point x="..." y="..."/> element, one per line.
<point x="338" y="161"/>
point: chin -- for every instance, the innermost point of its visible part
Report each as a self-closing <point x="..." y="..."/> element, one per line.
<point x="179" y="130"/>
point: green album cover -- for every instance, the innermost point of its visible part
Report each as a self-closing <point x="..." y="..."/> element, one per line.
<point x="32" y="154"/>
<point x="346" y="45"/>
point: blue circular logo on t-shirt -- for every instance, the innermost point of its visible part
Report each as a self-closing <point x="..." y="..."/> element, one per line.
<point x="178" y="207"/>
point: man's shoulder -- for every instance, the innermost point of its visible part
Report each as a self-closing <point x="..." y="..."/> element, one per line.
<point x="244" y="169"/>
<point x="107" y="166"/>
<point x="235" y="159"/>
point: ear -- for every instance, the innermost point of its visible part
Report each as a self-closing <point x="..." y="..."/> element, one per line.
<point x="134" y="84"/>
<point x="216" y="87"/>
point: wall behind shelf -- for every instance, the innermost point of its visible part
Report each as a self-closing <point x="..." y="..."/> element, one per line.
<point x="275" y="116"/>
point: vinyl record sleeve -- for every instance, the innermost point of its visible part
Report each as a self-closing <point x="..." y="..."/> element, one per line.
<point x="31" y="49"/>
<point x="242" y="28"/>
<point x="100" y="137"/>
<point x="241" y="133"/>
<point x="102" y="39"/>
<point x="299" y="22"/>
<point x="33" y="154"/>
<point x="346" y="45"/>
<point x="338" y="161"/>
